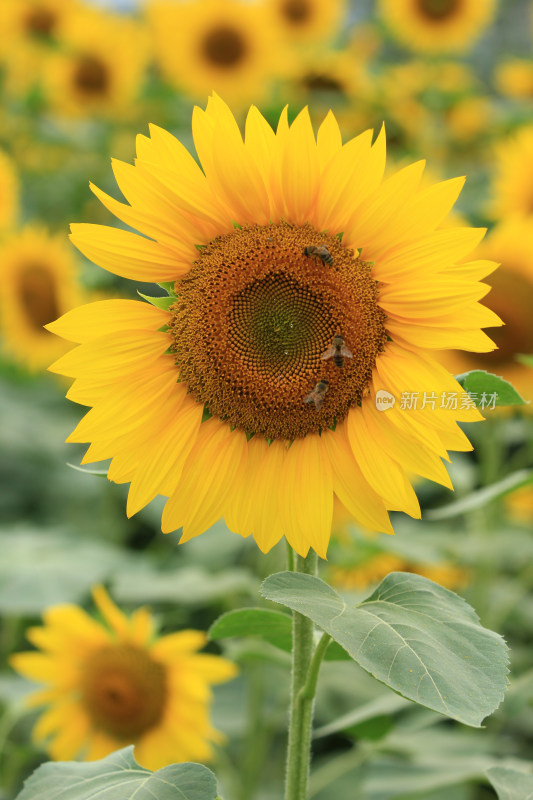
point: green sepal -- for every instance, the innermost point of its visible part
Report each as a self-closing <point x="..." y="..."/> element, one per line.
<point x="163" y="303"/>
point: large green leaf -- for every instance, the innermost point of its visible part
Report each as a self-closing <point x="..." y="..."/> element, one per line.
<point x="511" y="784"/>
<point x="270" y="626"/>
<point x="484" y="387"/>
<point x="119" y="777"/>
<point x="423" y="641"/>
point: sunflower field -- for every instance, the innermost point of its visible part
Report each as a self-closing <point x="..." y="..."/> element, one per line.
<point x="266" y="390"/>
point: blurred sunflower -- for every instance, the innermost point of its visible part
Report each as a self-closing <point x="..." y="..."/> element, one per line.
<point x="30" y="30"/>
<point x="220" y="398"/>
<point x="37" y="20"/>
<point x="38" y="283"/>
<point x="307" y="21"/>
<point x="512" y="178"/>
<point x="376" y="567"/>
<point x="514" y="78"/>
<point x="338" y="79"/>
<point x="9" y="192"/>
<point x="227" y="45"/>
<point x="114" y="683"/>
<point x="100" y="67"/>
<point x="511" y="243"/>
<point x="436" y="26"/>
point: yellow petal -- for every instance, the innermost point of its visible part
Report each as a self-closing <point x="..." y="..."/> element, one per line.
<point x="126" y="254"/>
<point x="107" y="317"/>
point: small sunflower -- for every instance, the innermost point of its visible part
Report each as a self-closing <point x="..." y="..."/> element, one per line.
<point x="228" y="45"/>
<point x="514" y="78"/>
<point x="512" y="181"/>
<point x="38" y="283"/>
<point x="114" y="683"/>
<point x="226" y="399"/>
<point x="100" y="66"/>
<point x="435" y="26"/>
<point x="39" y="21"/>
<point x="511" y="243"/>
<point x="376" y="567"/>
<point x="307" y="21"/>
<point x="9" y="192"/>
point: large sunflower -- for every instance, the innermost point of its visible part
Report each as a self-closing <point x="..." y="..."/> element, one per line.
<point x="228" y="45"/>
<point x="511" y="243"/>
<point x="512" y="180"/>
<point x="435" y="26"/>
<point x="38" y="283"/>
<point x="218" y="399"/>
<point x="113" y="684"/>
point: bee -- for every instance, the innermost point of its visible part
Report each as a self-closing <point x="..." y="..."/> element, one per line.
<point x="318" y="393"/>
<point x="337" y="352"/>
<point x="321" y="252"/>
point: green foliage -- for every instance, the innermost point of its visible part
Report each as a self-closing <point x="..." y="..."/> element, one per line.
<point x="479" y="382"/>
<point x="481" y="497"/>
<point x="270" y="626"/>
<point x="511" y="784"/>
<point x="423" y="641"/>
<point x="39" y="569"/>
<point x="119" y="777"/>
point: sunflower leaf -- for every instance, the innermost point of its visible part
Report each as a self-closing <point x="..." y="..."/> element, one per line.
<point x="421" y="640"/>
<point x="481" y="497"/>
<point x="511" y="784"/>
<point x="488" y="390"/>
<point x="164" y="302"/>
<point x="271" y="626"/>
<point x="119" y="775"/>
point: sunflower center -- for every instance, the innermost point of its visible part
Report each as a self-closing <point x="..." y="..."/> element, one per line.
<point x="40" y="21"/>
<point x="297" y="12"/>
<point x="91" y="76"/>
<point x="438" y="9"/>
<point x="321" y="82"/>
<point x="224" y="46"/>
<point x="37" y="293"/>
<point x="123" y="690"/>
<point x="512" y="299"/>
<point x="254" y="317"/>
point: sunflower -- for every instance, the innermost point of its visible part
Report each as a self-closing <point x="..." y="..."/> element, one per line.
<point x="220" y="398"/>
<point x="376" y="567"/>
<point x="9" y="192"/>
<point x="30" y="30"/>
<point x="307" y="21"/>
<point x="113" y="683"/>
<point x="100" y="66"/>
<point x="38" y="283"/>
<point x="39" y="21"/>
<point x="435" y="26"/>
<point x="228" y="45"/>
<point x="511" y="243"/>
<point x="514" y="78"/>
<point x="512" y="180"/>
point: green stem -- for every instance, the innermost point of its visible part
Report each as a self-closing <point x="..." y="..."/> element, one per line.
<point x="306" y="662"/>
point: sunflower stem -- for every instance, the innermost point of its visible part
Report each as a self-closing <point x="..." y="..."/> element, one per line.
<point x="306" y="662"/>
